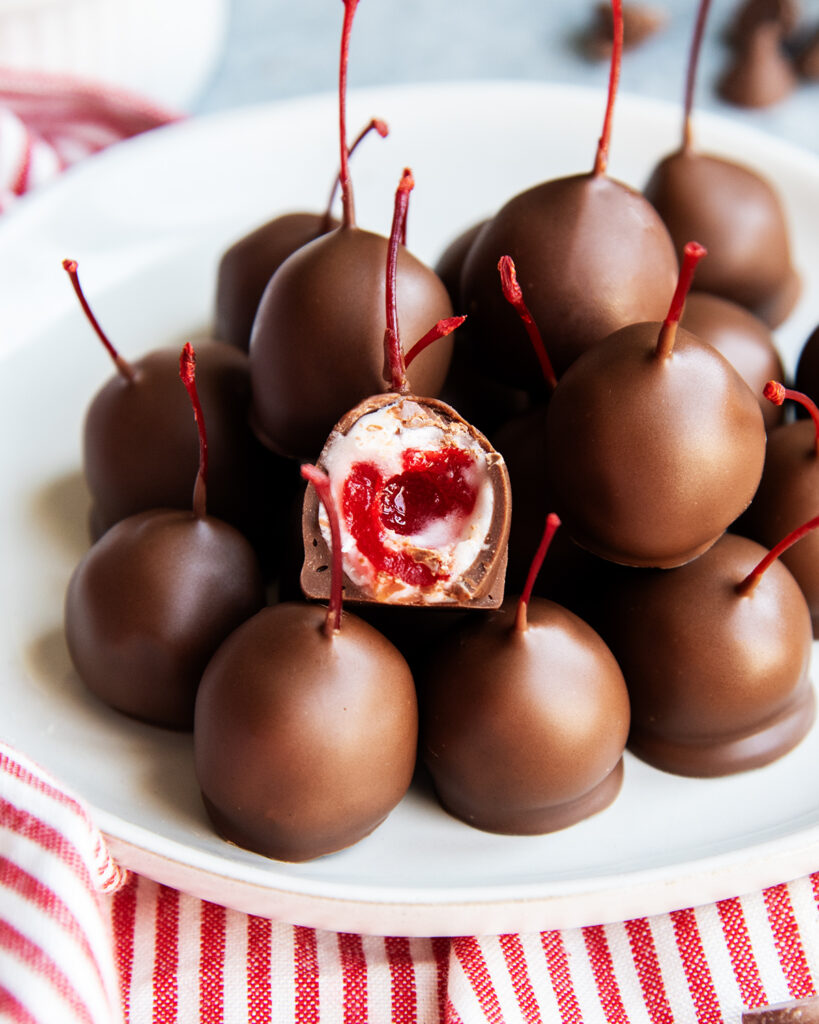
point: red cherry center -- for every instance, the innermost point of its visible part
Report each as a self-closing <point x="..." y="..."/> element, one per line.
<point x="432" y="486"/>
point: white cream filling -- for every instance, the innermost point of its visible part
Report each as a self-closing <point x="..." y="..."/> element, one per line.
<point x="381" y="437"/>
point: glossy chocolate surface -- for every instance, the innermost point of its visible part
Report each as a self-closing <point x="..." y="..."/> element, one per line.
<point x="149" y="604"/>
<point x="650" y="459"/>
<point x="718" y="682"/>
<point x="304" y="743"/>
<point x="591" y="256"/>
<point x="247" y="266"/>
<point x="317" y="347"/>
<point x="788" y="496"/>
<point x="737" y="216"/>
<point x="744" y="340"/>
<point x="523" y="732"/>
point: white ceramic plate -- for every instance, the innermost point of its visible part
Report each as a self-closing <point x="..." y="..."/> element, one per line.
<point x="147" y="222"/>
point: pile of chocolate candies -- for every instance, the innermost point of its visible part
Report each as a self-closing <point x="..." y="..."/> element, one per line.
<point x="646" y="437"/>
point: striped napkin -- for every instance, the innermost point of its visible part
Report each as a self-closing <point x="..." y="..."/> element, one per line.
<point x="82" y="941"/>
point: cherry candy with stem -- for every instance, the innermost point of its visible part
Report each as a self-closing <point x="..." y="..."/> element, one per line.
<point x="692" y="254"/>
<point x="749" y="583"/>
<point x="521" y="617"/>
<point x="122" y="364"/>
<point x="513" y="293"/>
<point x="602" y="156"/>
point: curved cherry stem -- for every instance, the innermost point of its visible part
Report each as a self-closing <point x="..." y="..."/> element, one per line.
<point x="187" y="372"/>
<point x="321" y="482"/>
<point x="394" y="362"/>
<point x="122" y="364"/>
<point x="691" y="75"/>
<point x="377" y="125"/>
<point x="601" y="159"/>
<point x="776" y="392"/>
<point x="748" y="585"/>
<point x="348" y="205"/>
<point x="521" y="617"/>
<point x="513" y="293"/>
<point x="692" y="254"/>
<point x="440" y="330"/>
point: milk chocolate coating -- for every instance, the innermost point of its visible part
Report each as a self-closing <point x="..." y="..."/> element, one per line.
<point x="744" y="340"/>
<point x="304" y="743"/>
<point x="141" y="451"/>
<point x="591" y="256"/>
<point x="718" y="682"/>
<point x="737" y="216"/>
<point x="807" y="369"/>
<point x="450" y="263"/>
<point x="650" y="459"/>
<point x="149" y="604"/>
<point x="247" y="266"/>
<point x="481" y="585"/>
<point x="317" y="347"/>
<point x="787" y="497"/>
<point x="761" y="73"/>
<point x="523" y="732"/>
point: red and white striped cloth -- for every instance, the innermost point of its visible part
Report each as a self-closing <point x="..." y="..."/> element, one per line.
<point x="81" y="942"/>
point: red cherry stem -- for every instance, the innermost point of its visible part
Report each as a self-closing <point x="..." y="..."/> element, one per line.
<point x="692" y="254"/>
<point x="513" y="293"/>
<point x="748" y="585"/>
<point x="122" y="364"/>
<point x="602" y="158"/>
<point x="691" y="76"/>
<point x="375" y="125"/>
<point x="348" y="206"/>
<point x="393" y="354"/>
<point x="777" y="393"/>
<point x="521" y="618"/>
<point x="321" y="482"/>
<point x="440" y="330"/>
<point x="187" y="371"/>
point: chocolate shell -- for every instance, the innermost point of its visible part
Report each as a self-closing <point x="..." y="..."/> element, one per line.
<point x="744" y="340"/>
<point x="787" y="497"/>
<point x="591" y="256"/>
<point x="650" y="459"/>
<point x="317" y="347"/>
<point x="523" y="731"/>
<point x="304" y="743"/>
<point x="247" y="266"/>
<point x="478" y="584"/>
<point x="737" y="216"/>
<point x="718" y="682"/>
<point x="149" y="604"/>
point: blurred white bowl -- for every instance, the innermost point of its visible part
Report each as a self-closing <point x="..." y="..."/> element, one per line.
<point x="161" y="49"/>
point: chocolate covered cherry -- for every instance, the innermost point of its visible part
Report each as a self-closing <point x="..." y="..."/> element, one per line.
<point x="306" y="728"/>
<point x="317" y="343"/>
<point x="524" y="719"/>
<point x="152" y="600"/>
<point x="716" y="667"/>
<point x="734" y="212"/>
<point x="593" y="256"/>
<point x="423" y="497"/>
<point x="246" y="266"/>
<point x="654" y="443"/>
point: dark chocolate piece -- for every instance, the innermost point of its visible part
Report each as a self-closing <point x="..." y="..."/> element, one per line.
<point x="523" y="731"/>
<point x="149" y="604"/>
<point x="478" y="585"/>
<point x="317" y="347"/>
<point x="761" y="74"/>
<point x="304" y="742"/>
<point x="718" y="682"/>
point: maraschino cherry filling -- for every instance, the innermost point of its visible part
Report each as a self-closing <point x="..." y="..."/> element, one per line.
<point x="420" y="491"/>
